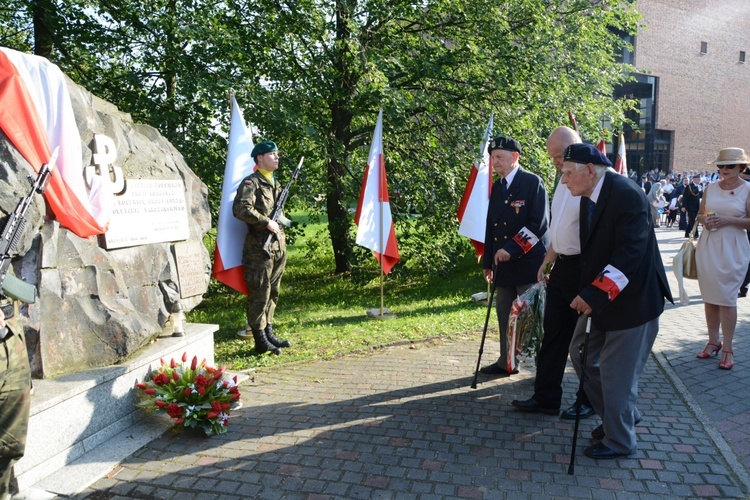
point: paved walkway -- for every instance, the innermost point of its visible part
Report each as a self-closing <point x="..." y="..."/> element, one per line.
<point x="402" y="422"/>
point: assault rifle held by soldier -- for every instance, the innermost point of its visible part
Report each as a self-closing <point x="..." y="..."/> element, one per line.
<point x="278" y="210"/>
<point x="11" y="286"/>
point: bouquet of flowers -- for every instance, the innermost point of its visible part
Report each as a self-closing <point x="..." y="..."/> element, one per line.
<point x="195" y="396"/>
<point x="526" y="324"/>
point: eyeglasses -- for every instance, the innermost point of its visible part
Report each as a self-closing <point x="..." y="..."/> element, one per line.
<point x="730" y="167"/>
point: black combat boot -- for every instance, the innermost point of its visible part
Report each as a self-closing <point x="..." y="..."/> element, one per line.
<point x="274" y="339"/>
<point x="262" y="344"/>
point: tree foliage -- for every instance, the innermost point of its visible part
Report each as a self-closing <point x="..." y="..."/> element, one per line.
<point x="312" y="74"/>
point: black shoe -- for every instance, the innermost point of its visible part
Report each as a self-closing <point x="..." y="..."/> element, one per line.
<point x="743" y="292"/>
<point x="600" y="451"/>
<point x="570" y="413"/>
<point x="494" y="369"/>
<point x="273" y="339"/>
<point x="533" y="406"/>
<point x="262" y="344"/>
<point x="598" y="433"/>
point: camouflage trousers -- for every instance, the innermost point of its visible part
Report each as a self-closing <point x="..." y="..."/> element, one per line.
<point x="15" y="399"/>
<point x="263" y="279"/>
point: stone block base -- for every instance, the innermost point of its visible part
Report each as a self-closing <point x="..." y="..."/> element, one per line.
<point x="83" y="424"/>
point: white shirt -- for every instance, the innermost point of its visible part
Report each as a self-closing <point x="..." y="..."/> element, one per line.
<point x="509" y="178"/>
<point x="598" y="189"/>
<point x="564" y="234"/>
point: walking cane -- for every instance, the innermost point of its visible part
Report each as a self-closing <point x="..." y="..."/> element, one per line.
<point x="582" y="351"/>
<point x="484" y="333"/>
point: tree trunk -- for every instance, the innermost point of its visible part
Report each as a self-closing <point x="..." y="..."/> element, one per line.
<point x="338" y="217"/>
<point x="43" y="31"/>
<point x="344" y="83"/>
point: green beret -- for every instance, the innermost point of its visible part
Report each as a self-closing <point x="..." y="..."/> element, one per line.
<point x="263" y="147"/>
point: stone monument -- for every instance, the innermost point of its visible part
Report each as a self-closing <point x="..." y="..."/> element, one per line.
<point x="102" y="298"/>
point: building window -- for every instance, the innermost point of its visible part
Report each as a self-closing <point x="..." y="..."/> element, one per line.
<point x="704" y="47"/>
<point x="742" y="56"/>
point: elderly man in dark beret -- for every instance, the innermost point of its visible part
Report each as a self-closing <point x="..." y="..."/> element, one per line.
<point x="254" y="205"/>
<point x="622" y="291"/>
<point x="516" y="238"/>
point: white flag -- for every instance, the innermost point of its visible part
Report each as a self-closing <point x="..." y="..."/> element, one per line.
<point x="472" y="212"/>
<point x="375" y="229"/>
<point x="230" y="232"/>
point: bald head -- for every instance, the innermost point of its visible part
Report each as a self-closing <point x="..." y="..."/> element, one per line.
<point x="558" y="140"/>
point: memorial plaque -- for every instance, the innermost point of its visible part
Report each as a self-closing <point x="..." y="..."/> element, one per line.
<point x="149" y="211"/>
<point x="191" y="272"/>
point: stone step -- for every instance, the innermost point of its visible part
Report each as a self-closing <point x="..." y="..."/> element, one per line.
<point x="83" y="424"/>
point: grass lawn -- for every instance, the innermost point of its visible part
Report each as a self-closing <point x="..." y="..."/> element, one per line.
<point x="323" y="315"/>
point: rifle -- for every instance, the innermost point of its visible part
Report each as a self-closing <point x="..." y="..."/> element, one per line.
<point x="279" y="208"/>
<point x="15" y="224"/>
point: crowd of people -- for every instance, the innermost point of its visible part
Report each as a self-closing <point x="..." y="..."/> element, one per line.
<point x="606" y="283"/>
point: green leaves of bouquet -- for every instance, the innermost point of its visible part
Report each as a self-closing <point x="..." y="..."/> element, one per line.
<point x="195" y="396"/>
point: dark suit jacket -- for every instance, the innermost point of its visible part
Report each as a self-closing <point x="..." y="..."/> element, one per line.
<point x="678" y="191"/>
<point x="646" y="186"/>
<point x="621" y="247"/>
<point x="526" y="207"/>
<point x="691" y="198"/>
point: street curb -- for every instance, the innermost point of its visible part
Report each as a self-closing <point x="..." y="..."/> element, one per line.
<point x="726" y="451"/>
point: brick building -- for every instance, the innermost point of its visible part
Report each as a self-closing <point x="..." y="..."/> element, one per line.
<point x="693" y="83"/>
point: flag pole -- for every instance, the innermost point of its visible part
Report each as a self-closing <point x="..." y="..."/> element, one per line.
<point x="382" y="253"/>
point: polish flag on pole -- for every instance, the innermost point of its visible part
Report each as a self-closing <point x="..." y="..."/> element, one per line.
<point x="472" y="211"/>
<point x="230" y="232"/>
<point x="621" y="163"/>
<point x="375" y="229"/>
<point x="36" y="115"/>
<point x="602" y="146"/>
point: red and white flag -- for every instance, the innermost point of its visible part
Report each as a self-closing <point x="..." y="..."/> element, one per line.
<point x="602" y="146"/>
<point x="36" y="115"/>
<point x="375" y="228"/>
<point x="230" y="232"/>
<point x="472" y="211"/>
<point x="621" y="163"/>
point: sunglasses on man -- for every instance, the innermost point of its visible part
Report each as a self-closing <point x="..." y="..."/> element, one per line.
<point x="730" y="167"/>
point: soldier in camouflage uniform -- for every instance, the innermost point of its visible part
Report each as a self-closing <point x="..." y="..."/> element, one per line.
<point x="254" y="204"/>
<point x="15" y="396"/>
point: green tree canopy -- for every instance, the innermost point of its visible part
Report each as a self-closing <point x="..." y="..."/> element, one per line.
<point x="312" y="75"/>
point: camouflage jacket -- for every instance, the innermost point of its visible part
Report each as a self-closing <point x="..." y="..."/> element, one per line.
<point x="253" y="205"/>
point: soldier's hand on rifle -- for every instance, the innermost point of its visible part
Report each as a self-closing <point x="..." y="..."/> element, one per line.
<point x="273" y="226"/>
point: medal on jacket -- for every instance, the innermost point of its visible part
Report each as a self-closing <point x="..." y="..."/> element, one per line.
<point x="517" y="205"/>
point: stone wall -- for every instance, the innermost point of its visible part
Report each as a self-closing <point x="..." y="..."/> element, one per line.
<point x="96" y="307"/>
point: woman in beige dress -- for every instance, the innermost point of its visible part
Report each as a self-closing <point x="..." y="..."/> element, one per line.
<point x="723" y="252"/>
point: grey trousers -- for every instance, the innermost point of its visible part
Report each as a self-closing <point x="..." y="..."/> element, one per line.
<point x="614" y="362"/>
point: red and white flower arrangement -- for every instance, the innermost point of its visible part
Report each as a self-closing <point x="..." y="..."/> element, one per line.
<point x="194" y="396"/>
